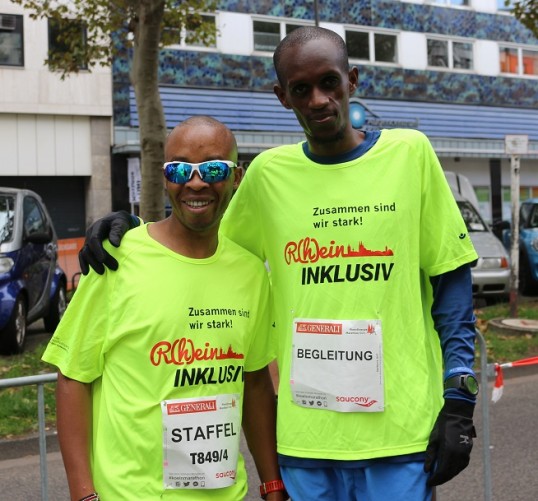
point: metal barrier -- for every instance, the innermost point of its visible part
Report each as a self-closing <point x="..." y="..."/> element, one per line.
<point x="40" y="381"/>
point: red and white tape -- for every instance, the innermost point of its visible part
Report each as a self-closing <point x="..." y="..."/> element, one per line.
<point x="499" y="379"/>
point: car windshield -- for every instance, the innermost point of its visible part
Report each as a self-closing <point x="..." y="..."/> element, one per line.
<point x="7" y="214"/>
<point x="472" y="219"/>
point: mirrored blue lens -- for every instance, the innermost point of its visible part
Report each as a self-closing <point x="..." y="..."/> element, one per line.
<point x="210" y="172"/>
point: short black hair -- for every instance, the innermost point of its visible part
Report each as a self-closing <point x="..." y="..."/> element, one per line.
<point x="303" y="35"/>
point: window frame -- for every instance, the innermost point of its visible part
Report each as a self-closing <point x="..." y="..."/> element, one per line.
<point x="450" y="53"/>
<point x="520" y="49"/>
<point x="450" y="4"/>
<point x="183" y="45"/>
<point x="59" y="49"/>
<point x="282" y="22"/>
<point x="372" y="33"/>
<point x="19" y="29"/>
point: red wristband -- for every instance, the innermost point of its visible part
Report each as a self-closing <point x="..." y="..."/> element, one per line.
<point x="272" y="486"/>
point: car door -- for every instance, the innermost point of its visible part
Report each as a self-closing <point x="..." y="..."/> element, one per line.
<point x="37" y="253"/>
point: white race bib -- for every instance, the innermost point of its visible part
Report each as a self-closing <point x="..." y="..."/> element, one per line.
<point x="201" y="441"/>
<point x="337" y="365"/>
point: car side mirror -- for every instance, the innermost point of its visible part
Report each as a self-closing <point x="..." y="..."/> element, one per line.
<point x="40" y="237"/>
<point x="501" y="225"/>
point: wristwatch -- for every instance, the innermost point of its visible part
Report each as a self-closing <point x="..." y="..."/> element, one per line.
<point x="465" y="382"/>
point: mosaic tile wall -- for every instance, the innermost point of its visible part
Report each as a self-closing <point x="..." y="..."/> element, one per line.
<point x="202" y="69"/>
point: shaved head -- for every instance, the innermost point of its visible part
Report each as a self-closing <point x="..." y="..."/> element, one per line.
<point x="301" y="36"/>
<point x="205" y="121"/>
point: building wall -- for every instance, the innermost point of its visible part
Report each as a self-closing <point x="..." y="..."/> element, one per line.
<point x="234" y="65"/>
<point x="51" y="128"/>
<point x="34" y="89"/>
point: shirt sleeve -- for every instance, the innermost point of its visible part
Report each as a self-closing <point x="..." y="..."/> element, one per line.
<point x="453" y="316"/>
<point x="76" y="347"/>
<point x="444" y="239"/>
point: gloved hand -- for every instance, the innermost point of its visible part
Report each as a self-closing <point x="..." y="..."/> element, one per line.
<point x="113" y="226"/>
<point x="451" y="441"/>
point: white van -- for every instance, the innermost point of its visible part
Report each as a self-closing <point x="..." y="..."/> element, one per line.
<point x="462" y="186"/>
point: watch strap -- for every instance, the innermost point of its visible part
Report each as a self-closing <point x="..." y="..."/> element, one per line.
<point x="272" y="486"/>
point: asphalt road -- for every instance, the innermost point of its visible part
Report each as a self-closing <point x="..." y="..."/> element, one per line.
<point x="513" y="454"/>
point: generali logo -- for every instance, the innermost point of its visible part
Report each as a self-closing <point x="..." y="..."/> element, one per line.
<point x="318" y="328"/>
<point x="309" y="250"/>
<point x="191" y="407"/>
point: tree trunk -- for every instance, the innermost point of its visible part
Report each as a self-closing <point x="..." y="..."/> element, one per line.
<point x="152" y="126"/>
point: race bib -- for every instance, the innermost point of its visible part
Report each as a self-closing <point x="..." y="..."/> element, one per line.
<point x="337" y="365"/>
<point x="201" y="441"/>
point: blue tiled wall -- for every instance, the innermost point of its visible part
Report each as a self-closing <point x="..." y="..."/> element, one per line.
<point x="203" y="69"/>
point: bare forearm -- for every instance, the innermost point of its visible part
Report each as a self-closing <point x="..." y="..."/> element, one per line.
<point x="259" y="426"/>
<point x="73" y="401"/>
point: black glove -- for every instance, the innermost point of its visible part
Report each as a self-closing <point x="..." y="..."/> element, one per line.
<point x="113" y="226"/>
<point x="451" y="441"/>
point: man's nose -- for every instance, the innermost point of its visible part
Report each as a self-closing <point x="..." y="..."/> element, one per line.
<point x="318" y="98"/>
<point x="196" y="182"/>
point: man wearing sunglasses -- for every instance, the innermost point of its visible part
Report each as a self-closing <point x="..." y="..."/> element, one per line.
<point x="162" y="362"/>
<point x="370" y="268"/>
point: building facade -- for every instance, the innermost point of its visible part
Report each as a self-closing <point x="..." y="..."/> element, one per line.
<point x="465" y="72"/>
<point x="55" y="135"/>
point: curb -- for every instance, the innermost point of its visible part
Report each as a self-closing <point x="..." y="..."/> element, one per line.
<point x="14" y="448"/>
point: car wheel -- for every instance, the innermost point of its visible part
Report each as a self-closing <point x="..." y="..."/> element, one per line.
<point x="13" y="336"/>
<point x="56" y="309"/>
<point x="527" y="285"/>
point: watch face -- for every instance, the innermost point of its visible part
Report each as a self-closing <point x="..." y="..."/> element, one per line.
<point x="471" y="385"/>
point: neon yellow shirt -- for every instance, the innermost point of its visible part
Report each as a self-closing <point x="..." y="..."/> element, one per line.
<point x="356" y="241"/>
<point x="114" y="335"/>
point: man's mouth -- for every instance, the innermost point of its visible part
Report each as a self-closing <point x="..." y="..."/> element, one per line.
<point x="196" y="204"/>
<point x="322" y="118"/>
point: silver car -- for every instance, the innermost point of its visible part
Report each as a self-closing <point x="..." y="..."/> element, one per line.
<point x="491" y="272"/>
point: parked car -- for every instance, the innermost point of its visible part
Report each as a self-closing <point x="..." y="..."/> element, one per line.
<point x="491" y="272"/>
<point x="32" y="285"/>
<point x="528" y="245"/>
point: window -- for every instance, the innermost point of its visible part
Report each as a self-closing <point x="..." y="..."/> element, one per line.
<point x="371" y="46"/>
<point x="191" y="38"/>
<point x="67" y="40"/>
<point x="7" y="216"/>
<point x="34" y="219"/>
<point x="518" y="61"/>
<point x="450" y="54"/>
<point x="199" y="32"/>
<point x="267" y="34"/>
<point x="501" y="5"/>
<point x="11" y="41"/>
<point x="452" y="3"/>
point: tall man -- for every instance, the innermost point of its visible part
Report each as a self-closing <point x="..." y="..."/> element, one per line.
<point x="154" y="359"/>
<point x="369" y="261"/>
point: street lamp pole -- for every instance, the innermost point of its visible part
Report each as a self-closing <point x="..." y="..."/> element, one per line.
<point x="316" y="12"/>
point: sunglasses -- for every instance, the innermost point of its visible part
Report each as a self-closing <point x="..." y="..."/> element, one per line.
<point x="211" y="171"/>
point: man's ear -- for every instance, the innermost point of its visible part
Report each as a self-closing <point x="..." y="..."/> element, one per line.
<point x="238" y="176"/>
<point x="281" y="94"/>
